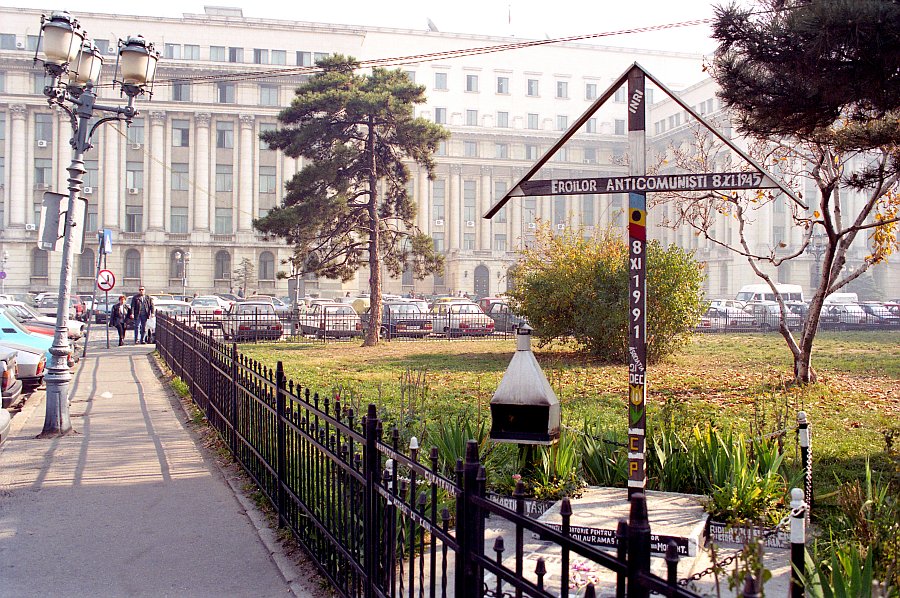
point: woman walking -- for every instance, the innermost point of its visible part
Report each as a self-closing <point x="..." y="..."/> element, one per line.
<point x="118" y="316"/>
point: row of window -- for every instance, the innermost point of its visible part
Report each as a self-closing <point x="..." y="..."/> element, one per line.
<point x="532" y="87"/>
<point x="532" y="122"/>
<point x="222" y="268"/>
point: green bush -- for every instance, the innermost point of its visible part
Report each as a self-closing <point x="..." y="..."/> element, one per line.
<point x="573" y="287"/>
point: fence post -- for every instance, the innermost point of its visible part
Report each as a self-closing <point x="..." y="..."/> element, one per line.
<point x="798" y="542"/>
<point x="805" y="458"/>
<point x="638" y="545"/>
<point x="621" y="555"/>
<point x="372" y="473"/>
<point x="467" y="513"/>
<point x="280" y="389"/>
<point x="234" y="397"/>
<point x="753" y="584"/>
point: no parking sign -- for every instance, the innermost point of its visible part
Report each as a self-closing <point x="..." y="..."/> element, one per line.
<point x="106" y="280"/>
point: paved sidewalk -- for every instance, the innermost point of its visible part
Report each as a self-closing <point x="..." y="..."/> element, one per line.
<point x="128" y="506"/>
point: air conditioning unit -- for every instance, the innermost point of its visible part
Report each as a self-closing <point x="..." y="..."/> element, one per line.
<point x="88" y="190"/>
<point x="532" y="225"/>
<point x="132" y="191"/>
<point x="470" y="223"/>
<point x="30" y="226"/>
<point x="439" y="223"/>
<point x="136" y="146"/>
<point x="42" y="143"/>
<point x="20" y="46"/>
<point x="560" y="227"/>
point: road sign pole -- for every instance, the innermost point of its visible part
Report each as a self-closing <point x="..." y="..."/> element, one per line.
<point x="637" y="287"/>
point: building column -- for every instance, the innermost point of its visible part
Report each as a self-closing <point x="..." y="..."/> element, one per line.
<point x="454" y="209"/>
<point x="156" y="196"/>
<point x="423" y="203"/>
<point x="202" y="190"/>
<point x="484" y="225"/>
<point x="245" y="176"/>
<point x="112" y="182"/>
<point x="18" y="191"/>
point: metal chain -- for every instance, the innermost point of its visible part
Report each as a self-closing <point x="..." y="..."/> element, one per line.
<point x="604" y="440"/>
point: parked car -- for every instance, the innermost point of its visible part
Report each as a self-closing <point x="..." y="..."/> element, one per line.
<point x="10" y="385"/>
<point x="400" y="318"/>
<point x="252" y="320"/>
<point x="719" y="319"/>
<point x="173" y="307"/>
<point x="25" y="312"/>
<point x="282" y="309"/>
<point x="32" y="364"/>
<point x="879" y="315"/>
<point x="504" y="318"/>
<point x="332" y="319"/>
<point x="460" y="318"/>
<point x="766" y="315"/>
<point x="102" y="307"/>
<point x="13" y="332"/>
<point x="730" y="303"/>
<point x="48" y="307"/>
<point x="842" y="316"/>
<point x="209" y="310"/>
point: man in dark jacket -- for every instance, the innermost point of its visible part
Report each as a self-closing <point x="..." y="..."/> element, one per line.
<point x="141" y="308"/>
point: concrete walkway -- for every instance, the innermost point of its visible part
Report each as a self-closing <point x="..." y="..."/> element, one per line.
<point x="128" y="506"/>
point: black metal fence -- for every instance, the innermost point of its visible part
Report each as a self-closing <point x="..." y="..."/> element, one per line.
<point x="378" y="519"/>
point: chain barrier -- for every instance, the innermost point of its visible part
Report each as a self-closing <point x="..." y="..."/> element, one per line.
<point x="783" y="525"/>
<point x="601" y="439"/>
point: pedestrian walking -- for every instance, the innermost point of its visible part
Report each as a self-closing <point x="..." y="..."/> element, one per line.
<point x="141" y="308"/>
<point x="118" y="316"/>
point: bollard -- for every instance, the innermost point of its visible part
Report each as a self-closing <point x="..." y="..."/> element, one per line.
<point x="638" y="536"/>
<point x="798" y="542"/>
<point x="805" y="458"/>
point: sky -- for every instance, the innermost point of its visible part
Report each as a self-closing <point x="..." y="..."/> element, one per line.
<point x="525" y="19"/>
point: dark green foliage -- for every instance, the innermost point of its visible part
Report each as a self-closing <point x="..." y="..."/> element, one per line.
<point x="568" y="286"/>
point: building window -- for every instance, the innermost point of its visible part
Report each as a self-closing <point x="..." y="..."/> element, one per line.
<point x="264" y="128"/>
<point x="531" y="88"/>
<point x="499" y="242"/>
<point x="2" y="82"/>
<point x="40" y="264"/>
<point x="440" y="116"/>
<point x="472" y="118"/>
<point x="533" y="121"/>
<point x="224" y="134"/>
<point x="181" y="133"/>
<point x="43" y="171"/>
<point x="136" y="132"/>
<point x="531" y="152"/>
<point x="172" y="51"/>
<point x="562" y="90"/>
<point x="43" y="127"/>
<point x="260" y="56"/>
<point x="441" y="148"/>
<point x="559" y="210"/>
<point x="225" y="93"/>
<point x="468" y="241"/>
<point x="471" y="82"/>
<point x="279" y="57"/>
<point x="224" y="178"/>
<point x="619" y="96"/>
<point x="134" y="219"/>
<point x="134" y="175"/>
<point x="440" y="81"/>
<point x="266" y="266"/>
<point x="590" y="155"/>
<point x="178" y="219"/>
<point x="503" y="120"/>
<point x="235" y="55"/>
<point x="267" y="179"/>
<point x="501" y="151"/>
<point x="268" y="95"/>
<point x="410" y="75"/>
<point x="91" y="220"/>
<point x="181" y="92"/>
<point x="591" y="126"/>
<point x="32" y="43"/>
<point x="438" y="195"/>
<point x="179" y="176"/>
<point x="469" y="191"/>
<point x="304" y="58"/>
<point x="319" y="56"/>
<point x="587" y="210"/>
<point x="223" y="221"/>
<point x="223" y="266"/>
<point x="176" y="265"/>
<point x="437" y="237"/>
<point x="619" y="126"/>
<point x="470" y="149"/>
<point x="562" y="122"/>
<point x="86" y="264"/>
<point x="40" y="82"/>
<point x="503" y="85"/>
<point x="529" y="210"/>
<point x="217" y="53"/>
<point x="590" y="91"/>
<point x="7" y="41"/>
<point x="191" y="52"/>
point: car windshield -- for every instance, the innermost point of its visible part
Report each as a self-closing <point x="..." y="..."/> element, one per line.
<point x="21" y="313"/>
<point x="403" y="308"/>
<point x="261" y="308"/>
<point x="344" y="310"/>
<point x="205" y="302"/>
<point x="465" y="309"/>
<point x="49" y="302"/>
<point x="11" y="319"/>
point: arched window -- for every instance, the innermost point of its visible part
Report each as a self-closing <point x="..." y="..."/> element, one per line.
<point x="132" y="263"/>
<point x="86" y="264"/>
<point x="266" y="266"/>
<point x="223" y="266"/>
<point x="176" y="265"/>
<point x="39" y="263"/>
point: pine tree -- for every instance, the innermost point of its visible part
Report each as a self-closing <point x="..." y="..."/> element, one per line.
<point x="349" y="207"/>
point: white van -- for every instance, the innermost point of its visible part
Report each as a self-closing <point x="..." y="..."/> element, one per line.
<point x="841" y="298"/>
<point x="763" y="292"/>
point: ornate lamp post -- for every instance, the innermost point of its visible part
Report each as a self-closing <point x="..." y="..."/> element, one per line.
<point x="816" y="248"/>
<point x="74" y="65"/>
<point x="184" y="259"/>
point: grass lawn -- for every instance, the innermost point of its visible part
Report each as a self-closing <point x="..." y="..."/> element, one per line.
<point x="734" y="379"/>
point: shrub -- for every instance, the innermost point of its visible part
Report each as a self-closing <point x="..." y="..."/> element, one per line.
<point x="572" y="287"/>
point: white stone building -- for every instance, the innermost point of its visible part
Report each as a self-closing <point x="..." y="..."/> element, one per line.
<point x="191" y="173"/>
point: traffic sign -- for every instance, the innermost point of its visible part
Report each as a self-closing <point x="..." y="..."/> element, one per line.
<point x="2" y="275"/>
<point x="106" y="280"/>
<point x="105" y="237"/>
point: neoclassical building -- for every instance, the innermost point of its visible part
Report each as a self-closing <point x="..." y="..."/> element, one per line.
<point x="191" y="174"/>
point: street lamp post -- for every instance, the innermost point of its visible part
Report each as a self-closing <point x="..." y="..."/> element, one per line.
<point x="185" y="259"/>
<point x="74" y="65"/>
<point x="3" y="262"/>
<point x="816" y="248"/>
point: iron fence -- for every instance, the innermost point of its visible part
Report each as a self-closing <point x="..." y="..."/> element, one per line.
<point x="381" y="520"/>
